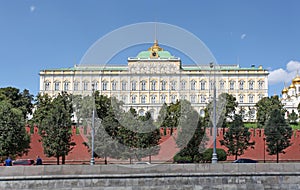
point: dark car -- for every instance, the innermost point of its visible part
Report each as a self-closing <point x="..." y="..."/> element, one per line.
<point x="24" y="162"/>
<point x="244" y="160"/>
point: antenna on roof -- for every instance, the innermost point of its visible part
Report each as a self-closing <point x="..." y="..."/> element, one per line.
<point x="155" y="31"/>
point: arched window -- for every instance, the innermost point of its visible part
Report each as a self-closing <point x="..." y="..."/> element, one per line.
<point x="47" y="85"/>
<point x="173" y="85"/>
<point x="251" y="85"/>
<point x="56" y="85"/>
<point x="143" y="99"/>
<point x="241" y="83"/>
<point x="163" y="98"/>
<point x="231" y="85"/>
<point x="193" y="85"/>
<point x="143" y="85"/>
<point x="153" y="85"/>
<point x="202" y="85"/>
<point x="133" y="85"/>
<point x="183" y="85"/>
<point x="133" y="99"/>
<point x="114" y="85"/>
<point x="163" y="85"/>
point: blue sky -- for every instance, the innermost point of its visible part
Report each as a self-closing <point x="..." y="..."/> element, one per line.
<point x="43" y="34"/>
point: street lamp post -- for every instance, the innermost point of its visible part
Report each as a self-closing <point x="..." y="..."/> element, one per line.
<point x="264" y="149"/>
<point x="214" y="155"/>
<point x="93" y="129"/>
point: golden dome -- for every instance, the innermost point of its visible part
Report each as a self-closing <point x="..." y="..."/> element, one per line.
<point x="284" y="91"/>
<point x="292" y="86"/>
<point x="155" y="47"/>
<point x="296" y="80"/>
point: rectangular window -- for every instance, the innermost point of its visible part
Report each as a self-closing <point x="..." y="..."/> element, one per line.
<point x="202" y="85"/>
<point x="193" y="99"/>
<point x="241" y="85"/>
<point x="231" y="85"/>
<point x="202" y="99"/>
<point x="163" y="99"/>
<point x="183" y="85"/>
<point x="143" y="85"/>
<point x="153" y="85"/>
<point x="260" y="85"/>
<point x="163" y="85"/>
<point x="222" y="85"/>
<point x="173" y="85"/>
<point x="76" y="84"/>
<point x="241" y="98"/>
<point x="66" y="86"/>
<point x="47" y="85"/>
<point x="143" y="99"/>
<point x="114" y="85"/>
<point x="251" y="99"/>
<point x="56" y="86"/>
<point x="104" y="85"/>
<point x="153" y="100"/>
<point x="123" y="85"/>
<point x="173" y="98"/>
<point x="133" y="99"/>
<point x="85" y="85"/>
<point x="251" y="84"/>
<point x="193" y="85"/>
<point x="133" y="85"/>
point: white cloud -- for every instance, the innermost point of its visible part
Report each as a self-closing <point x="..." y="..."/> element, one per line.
<point x="243" y="36"/>
<point x="284" y="75"/>
<point x="32" y="8"/>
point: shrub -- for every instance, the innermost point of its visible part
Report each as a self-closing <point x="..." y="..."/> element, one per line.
<point x="207" y="155"/>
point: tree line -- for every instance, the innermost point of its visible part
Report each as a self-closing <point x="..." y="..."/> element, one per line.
<point x="126" y="134"/>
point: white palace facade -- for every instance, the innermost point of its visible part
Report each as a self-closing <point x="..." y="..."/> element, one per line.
<point x="155" y="77"/>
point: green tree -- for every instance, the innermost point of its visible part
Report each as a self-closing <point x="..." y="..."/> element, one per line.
<point x="292" y="117"/>
<point x="55" y="125"/>
<point x="225" y="107"/>
<point x="264" y="108"/>
<point x="14" y="139"/>
<point x="169" y="116"/>
<point x="21" y="100"/>
<point x="139" y="135"/>
<point x="237" y="138"/>
<point x="191" y="137"/>
<point x="278" y="133"/>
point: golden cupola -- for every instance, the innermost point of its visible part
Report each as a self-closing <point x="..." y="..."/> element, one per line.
<point x="284" y="91"/>
<point x="296" y="80"/>
<point x="155" y="47"/>
<point x="292" y="86"/>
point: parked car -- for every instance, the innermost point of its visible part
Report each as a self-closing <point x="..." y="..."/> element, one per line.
<point x="23" y="162"/>
<point x="244" y="160"/>
<point x="138" y="163"/>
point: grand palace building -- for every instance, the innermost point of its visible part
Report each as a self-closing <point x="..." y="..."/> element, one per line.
<point x="155" y="77"/>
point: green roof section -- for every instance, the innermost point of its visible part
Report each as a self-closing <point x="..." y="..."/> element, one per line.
<point x="161" y="55"/>
<point x="91" y="68"/>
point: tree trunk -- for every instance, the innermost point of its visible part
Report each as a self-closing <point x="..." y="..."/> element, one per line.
<point x="277" y="152"/>
<point x="150" y="158"/>
<point x="63" y="159"/>
<point x="57" y="160"/>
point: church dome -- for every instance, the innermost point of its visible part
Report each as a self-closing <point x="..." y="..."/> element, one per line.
<point x="284" y="91"/>
<point x="292" y="86"/>
<point x="296" y="80"/>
